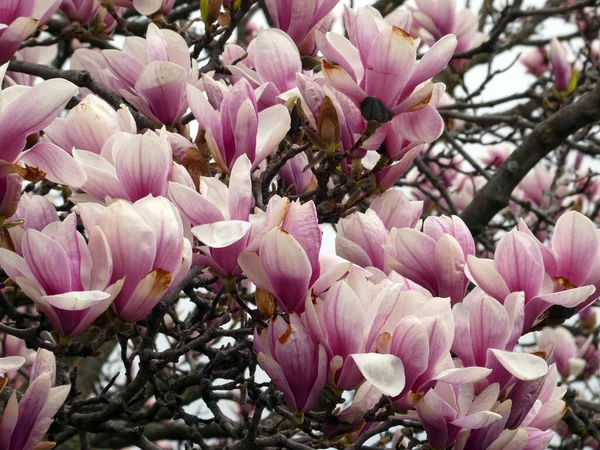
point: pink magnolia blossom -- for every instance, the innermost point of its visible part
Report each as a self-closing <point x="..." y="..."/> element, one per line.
<point x="481" y="324"/>
<point x="338" y="321"/>
<point x="220" y="216"/>
<point x="497" y="154"/>
<point x="287" y="264"/>
<point x="564" y="274"/>
<point x="434" y="258"/>
<point x="361" y="236"/>
<point x="89" y="125"/>
<point x="25" y="110"/>
<point x="25" y="422"/>
<point x="295" y="362"/>
<point x="154" y="262"/>
<point x="18" y="19"/>
<point x="448" y="409"/>
<point x="559" y="64"/>
<point x="379" y="61"/>
<point x="416" y="329"/>
<point x="439" y="18"/>
<point x="148" y="7"/>
<point x="536" y="61"/>
<point x="71" y="300"/>
<point x="271" y="66"/>
<point x="150" y="73"/>
<point x="299" y="19"/>
<point x="295" y="176"/>
<point x="235" y="127"/>
<point x="348" y="116"/>
<point x="530" y="409"/>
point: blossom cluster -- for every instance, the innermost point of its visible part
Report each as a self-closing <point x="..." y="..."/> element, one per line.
<point x="232" y="172"/>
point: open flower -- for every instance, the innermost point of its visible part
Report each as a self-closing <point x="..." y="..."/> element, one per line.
<point x="381" y="62"/>
<point x="89" y="125"/>
<point x="152" y="263"/>
<point x="235" y="127"/>
<point x="74" y="298"/>
<point x="150" y="73"/>
<point x="565" y="274"/>
<point x="434" y="258"/>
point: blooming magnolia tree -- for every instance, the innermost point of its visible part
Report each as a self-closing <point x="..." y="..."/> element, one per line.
<point x="167" y="170"/>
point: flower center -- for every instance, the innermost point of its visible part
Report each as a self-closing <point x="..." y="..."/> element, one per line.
<point x="563" y="284"/>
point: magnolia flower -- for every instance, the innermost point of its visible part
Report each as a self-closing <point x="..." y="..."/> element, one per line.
<point x="220" y="216"/>
<point x="295" y="176"/>
<point x="89" y="125"/>
<point x="287" y="264"/>
<point x="380" y="61"/>
<point x="361" y="236"/>
<point x="564" y="350"/>
<point x="416" y="329"/>
<point x="535" y="60"/>
<point x="23" y="111"/>
<point x="152" y="263"/>
<point x="451" y="407"/>
<point x="295" y="362"/>
<point x="149" y="73"/>
<point x="18" y="19"/>
<point x="25" y="422"/>
<point x="439" y="18"/>
<point x="559" y="64"/>
<point x="434" y="258"/>
<point x="532" y="407"/>
<point x="338" y="321"/>
<point x="235" y="127"/>
<point x="565" y="274"/>
<point x="271" y="66"/>
<point x="73" y="299"/>
<point x="481" y="324"/>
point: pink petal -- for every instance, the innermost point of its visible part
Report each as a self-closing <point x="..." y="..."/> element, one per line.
<point x="43" y="255"/>
<point x="391" y="61"/>
<point x="143" y="166"/>
<point x="276" y="58"/>
<point x="196" y="208"/>
<point x="287" y="266"/>
<point x="519" y="261"/>
<point x="59" y="166"/>
<point x="19" y="119"/>
<point x="384" y="372"/>
<point x="163" y="85"/>
<point x="575" y="244"/>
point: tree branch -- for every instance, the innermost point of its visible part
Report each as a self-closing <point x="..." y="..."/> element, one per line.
<point x="544" y="138"/>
